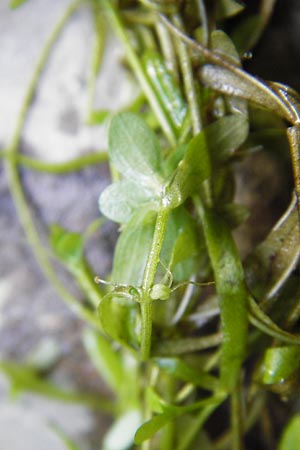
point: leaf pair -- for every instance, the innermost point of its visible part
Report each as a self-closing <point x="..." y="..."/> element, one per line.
<point x="134" y="150"/>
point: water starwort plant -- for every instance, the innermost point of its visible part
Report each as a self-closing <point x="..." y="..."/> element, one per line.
<point x="196" y="344"/>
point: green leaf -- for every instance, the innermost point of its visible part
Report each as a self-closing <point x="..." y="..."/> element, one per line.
<point x="148" y="429"/>
<point x="179" y="369"/>
<point x="232" y="293"/>
<point x="227" y="8"/>
<point x="105" y="358"/>
<point x="165" y="87"/>
<point x="120" y="436"/>
<point x="133" y="248"/>
<point x="119" y="317"/>
<point x="119" y="201"/>
<point x="215" y="143"/>
<point x="192" y="171"/>
<point x="16" y="3"/>
<point x="290" y="439"/>
<point x="135" y="151"/>
<point x="240" y="84"/>
<point x="280" y="363"/>
<point x="67" y="246"/>
<point x="226" y="135"/>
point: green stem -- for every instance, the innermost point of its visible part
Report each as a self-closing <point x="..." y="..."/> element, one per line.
<point x="148" y="280"/>
<point x="16" y="186"/>
<point x="188" y="79"/>
<point x="96" y="54"/>
<point x="187" y="345"/>
<point x="137" y="68"/>
<point x="58" y="168"/>
<point x="236" y="419"/>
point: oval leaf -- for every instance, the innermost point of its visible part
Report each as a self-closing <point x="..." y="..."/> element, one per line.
<point x="134" y="150"/>
<point x="119" y="201"/>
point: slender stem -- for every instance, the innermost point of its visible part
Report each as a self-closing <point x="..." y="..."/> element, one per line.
<point x="188" y="79"/>
<point x="204" y="22"/>
<point x="236" y="418"/>
<point x="13" y="148"/>
<point x="57" y="168"/>
<point x="96" y="54"/>
<point x="137" y="68"/>
<point x="148" y="280"/>
<point x="16" y="186"/>
<point x="167" y="49"/>
<point x="187" y="345"/>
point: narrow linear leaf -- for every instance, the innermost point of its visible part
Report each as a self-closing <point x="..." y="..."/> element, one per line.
<point x="244" y="86"/>
<point x="166" y="89"/>
<point x="232" y="294"/>
<point x="148" y="429"/>
<point x="274" y="259"/>
<point x="264" y="323"/>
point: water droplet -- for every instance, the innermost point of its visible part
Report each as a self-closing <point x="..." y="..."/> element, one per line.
<point x="248" y="55"/>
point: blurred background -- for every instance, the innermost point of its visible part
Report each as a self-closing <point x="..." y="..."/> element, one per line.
<point x="35" y="325"/>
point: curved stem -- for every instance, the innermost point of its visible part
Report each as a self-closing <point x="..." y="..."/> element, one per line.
<point x="58" y="168"/>
<point x="16" y="186"/>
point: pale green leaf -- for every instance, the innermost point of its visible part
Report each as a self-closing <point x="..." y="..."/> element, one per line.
<point x="134" y="150"/>
<point x="119" y="201"/>
<point x="132" y="249"/>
